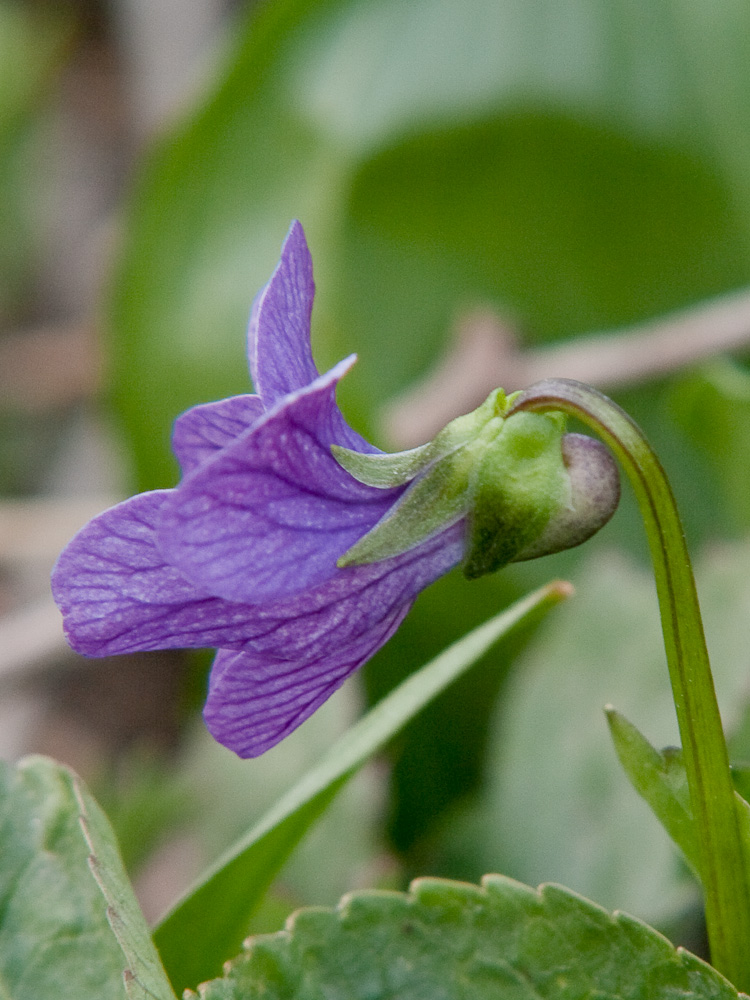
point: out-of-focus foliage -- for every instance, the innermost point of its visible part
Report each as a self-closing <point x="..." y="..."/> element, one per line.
<point x="31" y="47"/>
<point x="551" y="159"/>
<point x="557" y="804"/>
<point x="576" y="165"/>
<point x="145" y="804"/>
<point x="193" y="947"/>
<point x="713" y="406"/>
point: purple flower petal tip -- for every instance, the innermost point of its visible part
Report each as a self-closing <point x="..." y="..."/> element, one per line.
<point x="242" y="554"/>
<point x="279" y="349"/>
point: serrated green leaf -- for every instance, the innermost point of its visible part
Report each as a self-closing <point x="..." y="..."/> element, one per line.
<point x="145" y="978"/>
<point x="193" y="948"/>
<point x="449" y="940"/>
<point x="55" y="941"/>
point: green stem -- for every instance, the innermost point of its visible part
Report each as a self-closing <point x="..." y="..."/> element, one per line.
<point x="722" y="862"/>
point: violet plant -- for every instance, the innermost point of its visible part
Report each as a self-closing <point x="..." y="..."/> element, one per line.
<point x="296" y="548"/>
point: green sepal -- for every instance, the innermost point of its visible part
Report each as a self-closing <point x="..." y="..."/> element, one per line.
<point x="506" y="474"/>
<point x="440" y="472"/>
<point x="434" y="501"/>
<point x="516" y="487"/>
<point x="383" y="470"/>
<point x="389" y="470"/>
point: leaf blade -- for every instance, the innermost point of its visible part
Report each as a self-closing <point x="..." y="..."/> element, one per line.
<point x="659" y="778"/>
<point x="654" y="777"/>
<point x="145" y="978"/>
<point x="447" y="939"/>
<point x="64" y="948"/>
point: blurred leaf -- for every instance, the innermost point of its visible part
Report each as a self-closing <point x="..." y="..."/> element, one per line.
<point x="204" y="236"/>
<point x="555" y="806"/>
<point x="563" y="225"/>
<point x="144" y="977"/>
<point x="713" y="406"/>
<point x="438" y="756"/>
<point x="192" y="948"/>
<point x="715" y="49"/>
<point x="144" y="801"/>
<point x="54" y="937"/>
<point x="32" y="46"/>
<point x="448" y="939"/>
<point x="232" y="796"/>
<point x="418" y="147"/>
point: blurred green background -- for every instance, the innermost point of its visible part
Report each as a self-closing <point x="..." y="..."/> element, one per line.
<point x="573" y="166"/>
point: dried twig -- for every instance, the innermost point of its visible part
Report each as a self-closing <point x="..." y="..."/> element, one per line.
<point x="32" y="533"/>
<point x="486" y="353"/>
<point x="31" y="640"/>
<point x="36" y="530"/>
<point x="48" y="367"/>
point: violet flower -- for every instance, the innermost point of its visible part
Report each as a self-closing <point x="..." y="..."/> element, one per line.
<point x="247" y="553"/>
<point x="242" y="554"/>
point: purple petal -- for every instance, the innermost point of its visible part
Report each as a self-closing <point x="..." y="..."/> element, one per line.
<point x="279" y="333"/>
<point x="118" y="594"/>
<point x="258" y="696"/>
<point x="317" y="622"/>
<point x="116" y="551"/>
<point x="278" y="347"/>
<point x="279" y="662"/>
<point x="202" y="431"/>
<point x="254" y="702"/>
<point x="269" y="516"/>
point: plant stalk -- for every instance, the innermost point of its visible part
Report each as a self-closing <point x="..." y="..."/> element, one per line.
<point x="722" y="862"/>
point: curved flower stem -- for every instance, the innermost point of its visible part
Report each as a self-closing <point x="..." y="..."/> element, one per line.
<point x="722" y="862"/>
